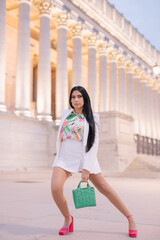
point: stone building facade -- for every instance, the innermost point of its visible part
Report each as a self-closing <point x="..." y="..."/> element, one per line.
<point x="48" y="46"/>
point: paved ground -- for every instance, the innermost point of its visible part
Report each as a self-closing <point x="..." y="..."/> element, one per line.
<point x="27" y="211"/>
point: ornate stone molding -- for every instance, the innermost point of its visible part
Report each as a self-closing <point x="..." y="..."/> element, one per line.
<point x="150" y="81"/>
<point x="155" y="85"/>
<point x="103" y="47"/>
<point x="91" y="40"/>
<point x="129" y="67"/>
<point x="43" y="6"/>
<point x="109" y="24"/>
<point x="61" y="19"/>
<point x="143" y="77"/>
<point x="76" y="29"/>
<point x="136" y="72"/>
<point x="112" y="56"/>
<point x="122" y="61"/>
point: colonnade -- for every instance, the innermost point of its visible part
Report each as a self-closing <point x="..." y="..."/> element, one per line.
<point x="119" y="85"/>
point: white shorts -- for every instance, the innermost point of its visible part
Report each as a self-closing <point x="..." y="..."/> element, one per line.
<point x="71" y="157"/>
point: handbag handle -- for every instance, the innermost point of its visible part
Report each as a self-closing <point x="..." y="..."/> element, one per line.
<point x="79" y="185"/>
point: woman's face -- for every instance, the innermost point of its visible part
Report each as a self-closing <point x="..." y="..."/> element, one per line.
<point x="77" y="100"/>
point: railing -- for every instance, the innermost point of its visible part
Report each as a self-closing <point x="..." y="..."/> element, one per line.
<point x="146" y="145"/>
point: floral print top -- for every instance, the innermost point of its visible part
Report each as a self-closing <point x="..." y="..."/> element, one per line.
<point x="73" y="127"/>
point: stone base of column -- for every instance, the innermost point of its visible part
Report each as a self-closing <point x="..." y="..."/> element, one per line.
<point x="23" y="112"/>
<point x="44" y="117"/>
<point x="57" y="122"/>
<point x="117" y="148"/>
<point x="3" y="108"/>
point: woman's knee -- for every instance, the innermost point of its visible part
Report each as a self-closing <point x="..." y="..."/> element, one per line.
<point x="57" y="181"/>
<point x="56" y="188"/>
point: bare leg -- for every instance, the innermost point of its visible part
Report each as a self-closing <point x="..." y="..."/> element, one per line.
<point x="101" y="184"/>
<point x="59" y="177"/>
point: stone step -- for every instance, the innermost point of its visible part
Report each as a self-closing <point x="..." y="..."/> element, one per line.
<point x="144" y="166"/>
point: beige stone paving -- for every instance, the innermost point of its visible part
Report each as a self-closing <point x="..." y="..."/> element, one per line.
<point x="27" y="211"/>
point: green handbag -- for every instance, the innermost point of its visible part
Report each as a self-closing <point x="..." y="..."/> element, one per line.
<point x="84" y="197"/>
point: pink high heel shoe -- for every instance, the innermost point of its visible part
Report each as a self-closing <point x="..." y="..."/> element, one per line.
<point x="66" y="231"/>
<point x="132" y="232"/>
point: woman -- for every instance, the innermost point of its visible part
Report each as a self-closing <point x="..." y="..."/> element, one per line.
<point x="77" y="146"/>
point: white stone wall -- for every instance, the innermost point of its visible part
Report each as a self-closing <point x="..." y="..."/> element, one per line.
<point x="117" y="148"/>
<point x="26" y="143"/>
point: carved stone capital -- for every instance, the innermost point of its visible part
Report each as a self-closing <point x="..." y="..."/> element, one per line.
<point x="136" y="72"/>
<point x="61" y="19"/>
<point x="150" y="82"/>
<point x="155" y="85"/>
<point x="103" y="47"/>
<point x="143" y="76"/>
<point x="76" y="29"/>
<point x="121" y="61"/>
<point x="43" y="6"/>
<point x="112" y="56"/>
<point x="129" y="67"/>
<point x="91" y="40"/>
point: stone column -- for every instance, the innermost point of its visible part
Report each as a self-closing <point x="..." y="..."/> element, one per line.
<point x="23" y="60"/>
<point x="130" y="89"/>
<point x="143" y="105"/>
<point x="103" y="80"/>
<point x="2" y="54"/>
<point x="149" y="108"/>
<point x="144" y="114"/>
<point x="122" y="85"/>
<point x="156" y="128"/>
<point x="137" y="101"/>
<point x="92" y="70"/>
<point x="61" y="70"/>
<point x="113" y="103"/>
<point x="158" y="114"/>
<point x="158" y="110"/>
<point x="76" y="31"/>
<point x="44" y="63"/>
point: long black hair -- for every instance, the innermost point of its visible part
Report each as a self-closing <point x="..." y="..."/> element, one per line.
<point x="87" y="111"/>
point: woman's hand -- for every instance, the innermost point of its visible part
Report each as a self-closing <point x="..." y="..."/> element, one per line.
<point x="85" y="175"/>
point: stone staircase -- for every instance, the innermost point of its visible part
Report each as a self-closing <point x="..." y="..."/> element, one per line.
<point x="143" y="166"/>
